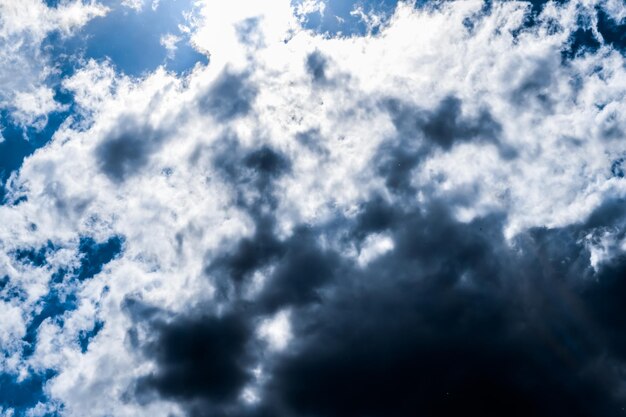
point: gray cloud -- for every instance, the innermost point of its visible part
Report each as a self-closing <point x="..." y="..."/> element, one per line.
<point x="231" y="96"/>
<point x="126" y="150"/>
<point x="422" y="131"/>
<point x="452" y="319"/>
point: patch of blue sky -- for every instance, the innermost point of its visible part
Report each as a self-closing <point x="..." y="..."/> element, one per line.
<point x="613" y="32"/>
<point x="340" y="17"/>
<point x="52" y="306"/>
<point x="61" y="298"/>
<point x="35" y="257"/>
<point x="85" y="336"/>
<point x="94" y="255"/>
<point x="18" y="142"/>
<point x="583" y="40"/>
<point x="9" y="292"/>
<point x="132" y="40"/>
<point x="25" y="394"/>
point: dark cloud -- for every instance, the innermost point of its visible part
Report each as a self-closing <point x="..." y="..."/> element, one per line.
<point x="300" y="272"/>
<point x="421" y="131"/>
<point x="534" y="86"/>
<point x="301" y="266"/>
<point x="232" y="95"/>
<point x="396" y="163"/>
<point x="200" y="359"/>
<point x="376" y="215"/>
<point x="127" y="149"/>
<point x="611" y="213"/>
<point x="453" y="320"/>
<point x="313" y="140"/>
<point x="617" y="168"/>
<point x="446" y="125"/>
<point x="252" y="174"/>
<point x="248" y="32"/>
<point x="250" y="253"/>
<point x="139" y="311"/>
<point x="316" y="64"/>
<point x="611" y="128"/>
<point x="266" y="165"/>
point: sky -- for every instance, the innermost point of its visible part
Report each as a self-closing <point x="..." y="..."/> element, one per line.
<point x="312" y="208"/>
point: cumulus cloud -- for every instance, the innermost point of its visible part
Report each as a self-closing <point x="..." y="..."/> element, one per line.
<point x="24" y="26"/>
<point x="424" y="217"/>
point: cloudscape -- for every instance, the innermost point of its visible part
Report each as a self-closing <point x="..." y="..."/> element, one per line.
<point x="312" y="208"/>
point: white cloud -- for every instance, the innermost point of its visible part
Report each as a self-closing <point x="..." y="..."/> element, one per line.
<point x="24" y="66"/>
<point x="35" y="18"/>
<point x="32" y="107"/>
<point x="374" y="246"/>
<point x="169" y="42"/>
<point x="276" y="331"/>
<point x="310" y="6"/>
<point x="137" y="5"/>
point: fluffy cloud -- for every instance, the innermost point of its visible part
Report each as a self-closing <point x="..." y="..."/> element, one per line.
<point x="425" y="218"/>
<point x="24" y="68"/>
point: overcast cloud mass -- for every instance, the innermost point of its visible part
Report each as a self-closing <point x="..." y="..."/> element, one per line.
<point x="312" y="208"/>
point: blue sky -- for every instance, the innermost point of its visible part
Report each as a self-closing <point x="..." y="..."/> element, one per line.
<point x="312" y="207"/>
